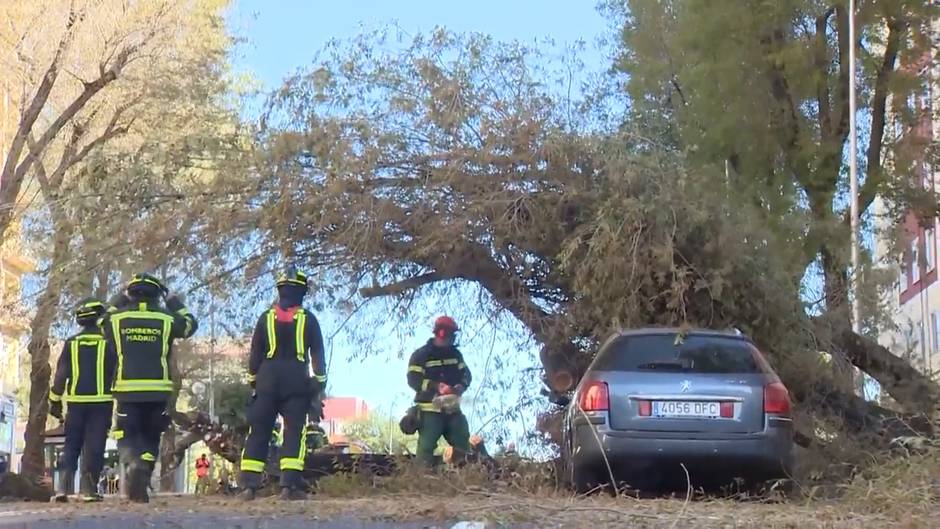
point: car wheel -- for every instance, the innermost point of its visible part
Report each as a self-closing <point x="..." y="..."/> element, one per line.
<point x="581" y="479"/>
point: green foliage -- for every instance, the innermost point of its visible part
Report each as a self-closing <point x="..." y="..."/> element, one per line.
<point x="380" y="435"/>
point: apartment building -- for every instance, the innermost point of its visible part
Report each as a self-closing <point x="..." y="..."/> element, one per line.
<point x="915" y="300"/>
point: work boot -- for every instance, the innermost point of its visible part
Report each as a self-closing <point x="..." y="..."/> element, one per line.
<point x="137" y="484"/>
<point x="292" y="494"/>
<point x="88" y="486"/>
<point x="248" y="494"/>
<point x="66" y="486"/>
<point x="147" y="472"/>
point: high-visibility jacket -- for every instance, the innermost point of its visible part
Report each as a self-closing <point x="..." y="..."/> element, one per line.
<point x="142" y="335"/>
<point x="287" y="354"/>
<point x="85" y="369"/>
<point x="431" y="365"/>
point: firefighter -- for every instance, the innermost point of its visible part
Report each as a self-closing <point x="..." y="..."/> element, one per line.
<point x="286" y="341"/>
<point x="142" y="331"/>
<point x="435" y="370"/>
<point x="83" y="379"/>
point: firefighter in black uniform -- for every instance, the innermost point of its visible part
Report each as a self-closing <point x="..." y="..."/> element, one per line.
<point x="83" y="379"/>
<point x="142" y="332"/>
<point x="434" y="370"/>
<point x="286" y="341"/>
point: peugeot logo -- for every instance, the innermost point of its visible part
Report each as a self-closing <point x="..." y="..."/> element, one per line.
<point x="686" y="386"/>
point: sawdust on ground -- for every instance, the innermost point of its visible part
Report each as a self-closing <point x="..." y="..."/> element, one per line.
<point x="518" y="510"/>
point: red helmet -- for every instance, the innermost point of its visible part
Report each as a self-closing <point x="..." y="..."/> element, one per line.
<point x="445" y="323"/>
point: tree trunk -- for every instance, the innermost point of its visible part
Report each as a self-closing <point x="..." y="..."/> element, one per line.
<point x="38" y="349"/>
<point x="168" y="444"/>
<point x="835" y="285"/>
<point x="913" y="390"/>
<point x="167" y="461"/>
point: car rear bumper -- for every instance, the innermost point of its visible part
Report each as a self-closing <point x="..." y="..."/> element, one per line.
<point x="768" y="453"/>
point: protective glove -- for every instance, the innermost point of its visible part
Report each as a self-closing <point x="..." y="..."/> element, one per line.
<point x="174" y="302"/>
<point x="55" y="409"/>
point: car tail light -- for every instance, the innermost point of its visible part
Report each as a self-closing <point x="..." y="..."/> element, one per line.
<point x="776" y="399"/>
<point x="727" y="410"/>
<point x="595" y="396"/>
<point x="646" y="408"/>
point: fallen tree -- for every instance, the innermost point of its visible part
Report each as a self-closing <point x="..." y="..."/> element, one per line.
<point x="453" y="163"/>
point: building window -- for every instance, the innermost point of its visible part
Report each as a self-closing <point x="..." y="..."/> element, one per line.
<point x="915" y="260"/>
<point x="930" y="249"/>
<point x="903" y="284"/>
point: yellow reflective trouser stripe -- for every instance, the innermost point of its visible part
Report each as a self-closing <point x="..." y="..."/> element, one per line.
<point x="147" y="456"/>
<point x="291" y="463"/>
<point x="124" y="386"/>
<point x="252" y="465"/>
<point x="252" y="378"/>
<point x="427" y="406"/>
<point x="297" y="463"/>
<point x="55" y="398"/>
<point x="299" y="334"/>
<point x="416" y="369"/>
<point x="320" y="378"/>
<point x="117" y="435"/>
<point x="272" y="335"/>
<point x="88" y="398"/>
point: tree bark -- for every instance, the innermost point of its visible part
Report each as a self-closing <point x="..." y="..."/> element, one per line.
<point x="38" y="349"/>
<point x="167" y="461"/>
<point x="168" y="444"/>
<point x="913" y="390"/>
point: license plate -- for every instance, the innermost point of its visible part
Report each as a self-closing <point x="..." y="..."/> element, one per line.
<point x="678" y="408"/>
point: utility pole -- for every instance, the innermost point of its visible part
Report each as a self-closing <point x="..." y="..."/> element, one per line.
<point x="212" y="359"/>
<point x="853" y="176"/>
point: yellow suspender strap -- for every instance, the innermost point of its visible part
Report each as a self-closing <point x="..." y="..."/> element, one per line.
<point x="100" y="366"/>
<point x="301" y="326"/>
<point x="75" y="368"/>
<point x="272" y="334"/>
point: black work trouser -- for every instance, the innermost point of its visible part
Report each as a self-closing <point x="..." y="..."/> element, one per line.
<point x="86" y="432"/>
<point x="262" y="413"/>
<point x="138" y="427"/>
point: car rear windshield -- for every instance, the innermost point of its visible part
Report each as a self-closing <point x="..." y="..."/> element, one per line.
<point x="693" y="354"/>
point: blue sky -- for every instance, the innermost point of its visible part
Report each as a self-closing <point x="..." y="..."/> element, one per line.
<point x="283" y="36"/>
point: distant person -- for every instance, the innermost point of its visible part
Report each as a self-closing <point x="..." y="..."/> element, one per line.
<point x="202" y="474"/>
<point x="142" y="330"/>
<point x="83" y="378"/>
<point x="438" y="375"/>
<point x="287" y="346"/>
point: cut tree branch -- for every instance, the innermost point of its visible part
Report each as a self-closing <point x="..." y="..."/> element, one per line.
<point x="400" y="287"/>
<point x="915" y="391"/>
